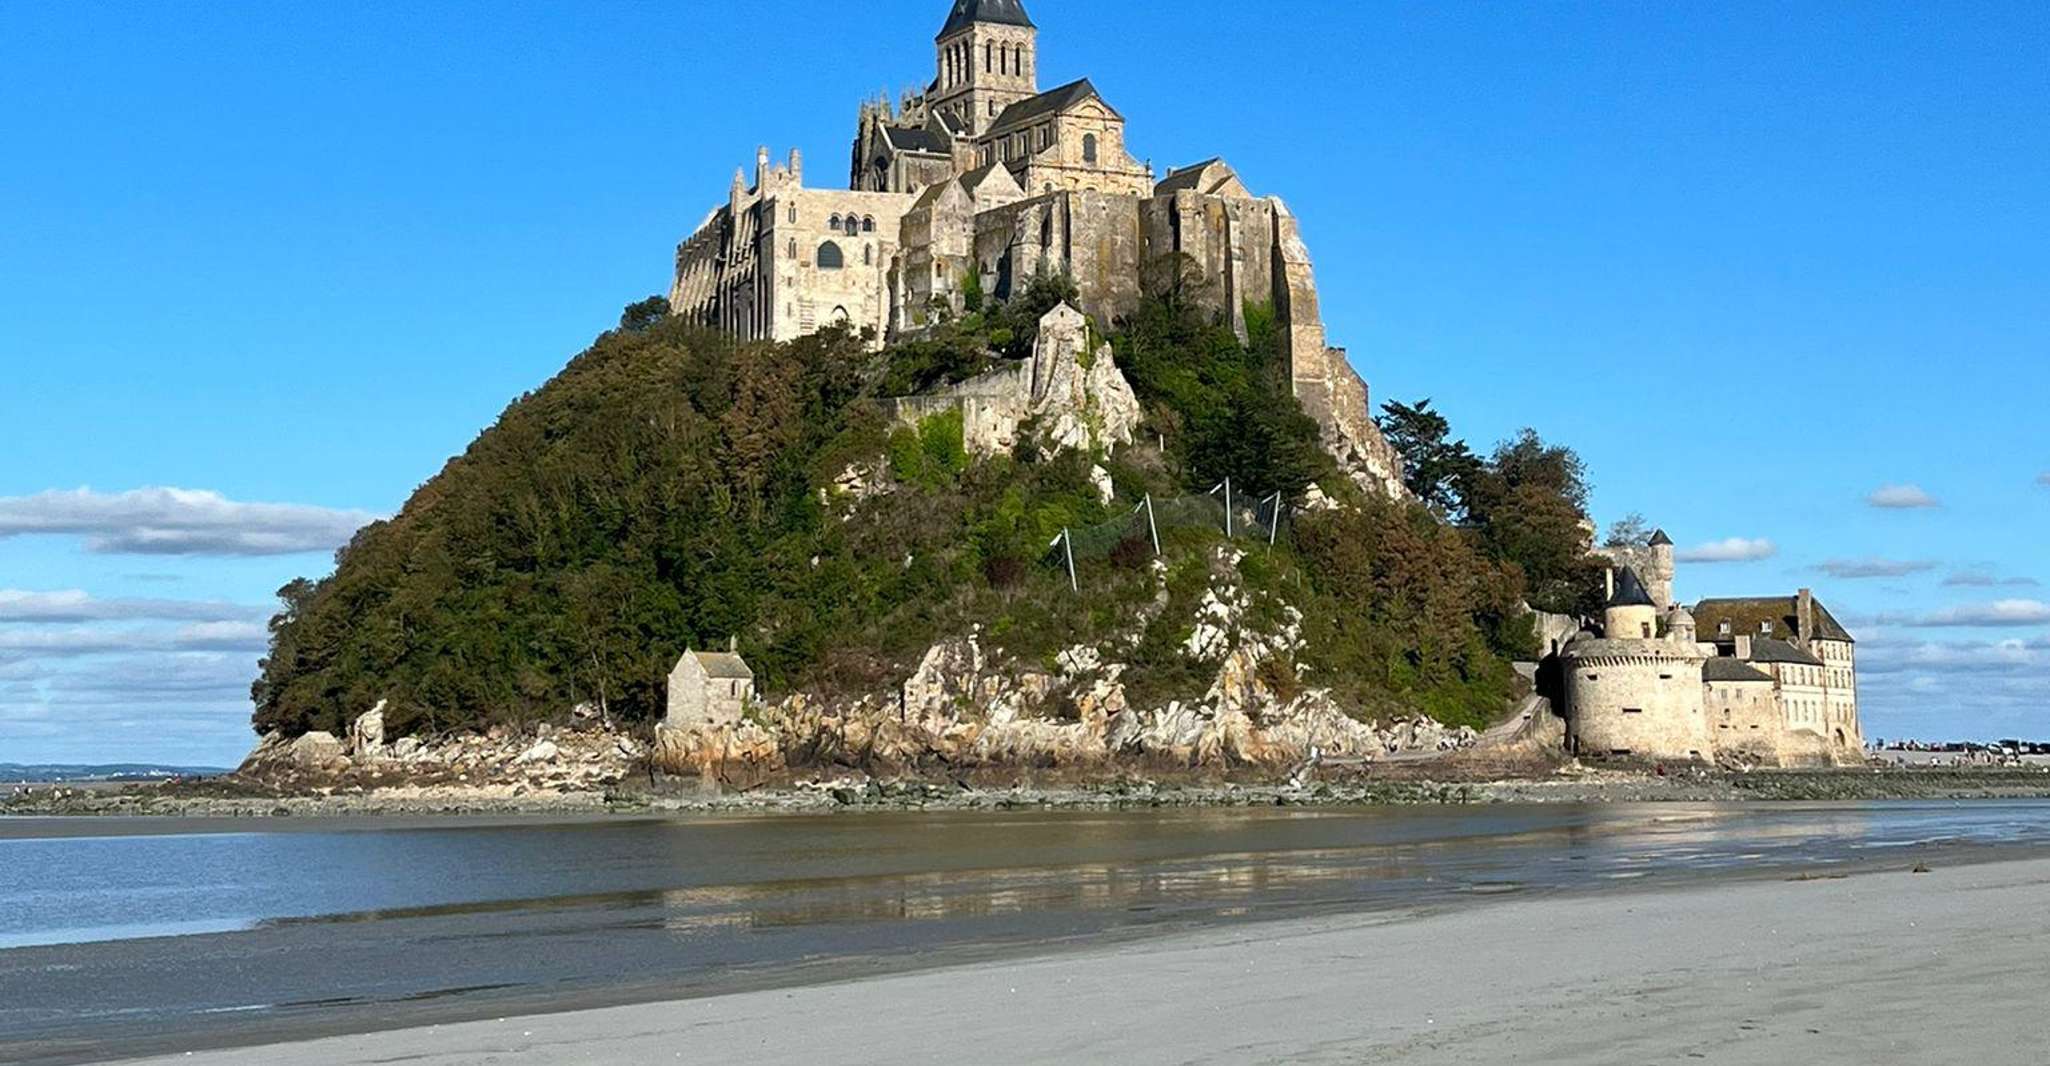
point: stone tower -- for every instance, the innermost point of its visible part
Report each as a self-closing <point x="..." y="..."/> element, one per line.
<point x="988" y="60"/>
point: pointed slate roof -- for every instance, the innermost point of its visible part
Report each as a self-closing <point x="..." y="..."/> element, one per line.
<point x="1660" y="540"/>
<point x="1630" y="590"/>
<point x="967" y="13"/>
<point x="1033" y="108"/>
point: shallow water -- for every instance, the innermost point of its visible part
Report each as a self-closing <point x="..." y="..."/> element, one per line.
<point x="110" y="928"/>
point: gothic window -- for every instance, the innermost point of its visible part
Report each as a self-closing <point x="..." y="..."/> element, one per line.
<point x="1088" y="148"/>
<point x="868" y="255"/>
<point x="989" y="58"/>
<point x="868" y="224"/>
<point x="830" y="257"/>
<point x="793" y="212"/>
<point x="833" y="223"/>
<point x="793" y="247"/>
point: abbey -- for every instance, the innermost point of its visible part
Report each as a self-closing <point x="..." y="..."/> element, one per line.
<point x="1768" y="681"/>
<point x="983" y="182"/>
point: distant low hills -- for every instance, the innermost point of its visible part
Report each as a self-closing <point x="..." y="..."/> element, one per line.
<point x="54" y="772"/>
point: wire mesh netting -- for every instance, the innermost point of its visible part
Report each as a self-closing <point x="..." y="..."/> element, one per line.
<point x="1141" y="528"/>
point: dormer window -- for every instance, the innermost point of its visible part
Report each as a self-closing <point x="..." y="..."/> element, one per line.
<point x="1765" y="629"/>
<point x="1725" y="629"/>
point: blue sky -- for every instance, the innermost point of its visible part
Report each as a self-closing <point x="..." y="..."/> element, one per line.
<point x="1758" y="262"/>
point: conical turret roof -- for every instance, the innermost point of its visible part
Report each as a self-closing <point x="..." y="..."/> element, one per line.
<point x="1630" y="590"/>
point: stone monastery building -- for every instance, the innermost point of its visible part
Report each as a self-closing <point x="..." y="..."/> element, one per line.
<point x="1768" y="681"/>
<point x="985" y="181"/>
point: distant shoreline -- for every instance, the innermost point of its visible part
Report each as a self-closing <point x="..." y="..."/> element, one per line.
<point x="217" y="798"/>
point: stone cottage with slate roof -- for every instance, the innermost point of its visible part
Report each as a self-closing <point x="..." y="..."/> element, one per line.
<point x="1762" y="681"/>
<point x="708" y="688"/>
<point x="1050" y="187"/>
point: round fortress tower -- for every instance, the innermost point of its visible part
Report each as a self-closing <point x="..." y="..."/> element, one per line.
<point x="1631" y="692"/>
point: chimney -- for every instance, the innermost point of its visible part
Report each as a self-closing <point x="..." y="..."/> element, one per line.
<point x="1744" y="647"/>
<point x="1609" y="582"/>
<point x="733" y="645"/>
<point x="1804" y="618"/>
<point x="796" y="167"/>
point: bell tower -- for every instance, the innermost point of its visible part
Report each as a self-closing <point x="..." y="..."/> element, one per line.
<point x="988" y="60"/>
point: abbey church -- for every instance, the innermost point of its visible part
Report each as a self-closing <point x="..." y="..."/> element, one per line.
<point x="984" y="181"/>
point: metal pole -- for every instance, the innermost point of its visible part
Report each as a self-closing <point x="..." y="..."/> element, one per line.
<point x="1151" y="527"/>
<point x="1274" y="523"/>
<point x="1227" y="508"/>
<point x="1068" y="547"/>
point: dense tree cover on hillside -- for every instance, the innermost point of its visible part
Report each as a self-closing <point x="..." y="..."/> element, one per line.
<point x="1526" y="502"/>
<point x="669" y="489"/>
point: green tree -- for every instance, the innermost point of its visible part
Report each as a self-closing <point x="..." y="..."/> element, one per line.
<point x="1435" y="466"/>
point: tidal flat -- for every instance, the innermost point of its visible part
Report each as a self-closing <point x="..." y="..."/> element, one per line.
<point x="128" y="937"/>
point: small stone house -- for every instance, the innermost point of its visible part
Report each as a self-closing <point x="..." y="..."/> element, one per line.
<point x="708" y="688"/>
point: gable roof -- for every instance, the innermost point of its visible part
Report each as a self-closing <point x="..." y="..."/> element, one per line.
<point x="967" y="13"/>
<point x="1630" y="591"/>
<point x="914" y="139"/>
<point x="1212" y="175"/>
<point x="1034" y="108"/>
<point x="1749" y="615"/>
<point x="1724" y="668"/>
<point x="1768" y="650"/>
<point x="724" y="664"/>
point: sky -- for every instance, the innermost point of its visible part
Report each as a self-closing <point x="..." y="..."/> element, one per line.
<point x="1780" y="273"/>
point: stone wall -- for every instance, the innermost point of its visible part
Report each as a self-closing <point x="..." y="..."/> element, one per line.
<point x="1636" y="698"/>
<point x="1073" y="393"/>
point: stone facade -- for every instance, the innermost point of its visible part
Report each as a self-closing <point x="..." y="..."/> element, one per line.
<point x="707" y="689"/>
<point x="1072" y="391"/>
<point x="1764" y="681"/>
<point x="983" y="176"/>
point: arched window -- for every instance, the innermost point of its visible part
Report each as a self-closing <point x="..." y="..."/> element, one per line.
<point x="868" y="223"/>
<point x="830" y="257"/>
<point x="989" y="58"/>
<point x="793" y="212"/>
<point x="793" y="248"/>
<point x="833" y="223"/>
<point x="1088" y="148"/>
<point x="868" y="255"/>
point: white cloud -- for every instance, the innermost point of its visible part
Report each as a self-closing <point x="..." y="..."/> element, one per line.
<point x="1902" y="498"/>
<point x="1729" y="550"/>
<point x="1986" y="579"/>
<point x="71" y="642"/>
<point x="2043" y="479"/>
<point x="74" y="605"/>
<point x="169" y="521"/>
<point x="189" y="708"/>
<point x="1998" y="613"/>
<point x="1857" y="569"/>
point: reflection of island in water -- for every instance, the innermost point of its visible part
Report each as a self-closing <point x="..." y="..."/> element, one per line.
<point x="456" y="913"/>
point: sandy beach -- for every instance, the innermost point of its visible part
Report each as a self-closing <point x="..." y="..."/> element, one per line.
<point x="1882" y="967"/>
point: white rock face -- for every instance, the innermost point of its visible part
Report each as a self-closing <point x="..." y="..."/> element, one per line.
<point x="366" y="735"/>
<point x="316" y="751"/>
<point x="543" y="751"/>
<point x="1106" y="491"/>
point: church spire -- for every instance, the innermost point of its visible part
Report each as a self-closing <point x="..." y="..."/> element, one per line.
<point x="967" y="13"/>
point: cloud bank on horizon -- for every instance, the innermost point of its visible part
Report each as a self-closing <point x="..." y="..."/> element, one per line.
<point x="174" y="521"/>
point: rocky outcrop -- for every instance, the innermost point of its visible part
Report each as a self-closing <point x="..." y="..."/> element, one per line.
<point x="1069" y="393"/>
<point x="520" y="762"/>
<point x="969" y="706"/>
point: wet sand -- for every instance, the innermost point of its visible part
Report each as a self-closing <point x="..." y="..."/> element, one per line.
<point x="1881" y="967"/>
